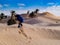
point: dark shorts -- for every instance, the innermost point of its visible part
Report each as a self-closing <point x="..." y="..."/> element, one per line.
<point x="21" y="21"/>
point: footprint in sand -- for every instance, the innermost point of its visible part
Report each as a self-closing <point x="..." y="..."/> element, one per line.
<point x="19" y="32"/>
<point x="30" y="38"/>
<point x="24" y="35"/>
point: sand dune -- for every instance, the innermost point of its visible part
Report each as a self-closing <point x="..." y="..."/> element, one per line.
<point x="41" y="30"/>
<point x="9" y="35"/>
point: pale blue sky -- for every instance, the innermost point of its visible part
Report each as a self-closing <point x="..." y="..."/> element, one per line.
<point x="24" y="5"/>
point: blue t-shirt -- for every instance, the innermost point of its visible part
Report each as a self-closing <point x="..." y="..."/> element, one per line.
<point x="19" y="18"/>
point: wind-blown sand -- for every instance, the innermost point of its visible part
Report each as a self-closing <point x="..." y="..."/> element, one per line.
<point x="9" y="35"/>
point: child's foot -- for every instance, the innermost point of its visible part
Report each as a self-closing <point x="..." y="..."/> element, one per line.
<point x="18" y="26"/>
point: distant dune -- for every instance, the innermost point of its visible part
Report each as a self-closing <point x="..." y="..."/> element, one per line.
<point x="44" y="15"/>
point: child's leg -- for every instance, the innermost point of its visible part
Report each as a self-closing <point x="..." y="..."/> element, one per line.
<point x="20" y="25"/>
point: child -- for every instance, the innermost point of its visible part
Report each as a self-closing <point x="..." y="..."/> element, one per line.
<point x="19" y="19"/>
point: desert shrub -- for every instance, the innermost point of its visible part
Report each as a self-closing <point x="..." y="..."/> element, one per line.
<point x="31" y="14"/>
<point x="36" y="11"/>
<point x="1" y="15"/>
<point x="11" y="21"/>
<point x="5" y="16"/>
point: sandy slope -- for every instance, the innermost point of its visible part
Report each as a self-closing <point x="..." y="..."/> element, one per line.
<point x="9" y="35"/>
<point x="42" y="30"/>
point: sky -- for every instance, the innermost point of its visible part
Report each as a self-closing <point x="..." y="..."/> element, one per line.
<point x="22" y="6"/>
